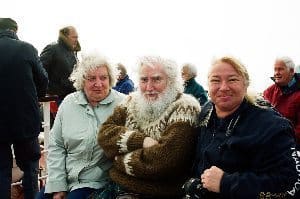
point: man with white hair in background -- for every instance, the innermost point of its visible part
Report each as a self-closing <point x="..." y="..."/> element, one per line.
<point x="284" y="95"/>
<point x="150" y="136"/>
<point x="189" y="73"/>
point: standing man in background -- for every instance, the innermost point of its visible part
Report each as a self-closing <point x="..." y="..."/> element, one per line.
<point x="124" y="84"/>
<point x="59" y="60"/>
<point x="22" y="81"/>
<point x="189" y="73"/>
<point x="284" y="95"/>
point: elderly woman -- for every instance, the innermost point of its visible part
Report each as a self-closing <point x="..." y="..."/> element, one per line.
<point x="76" y="164"/>
<point x="243" y="150"/>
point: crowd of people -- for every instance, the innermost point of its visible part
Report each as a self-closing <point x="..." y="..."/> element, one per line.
<point x="164" y="137"/>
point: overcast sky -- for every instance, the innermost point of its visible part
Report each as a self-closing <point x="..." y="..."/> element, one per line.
<point x="255" y="31"/>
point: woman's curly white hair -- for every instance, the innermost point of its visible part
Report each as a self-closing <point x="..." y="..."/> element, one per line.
<point x="89" y="63"/>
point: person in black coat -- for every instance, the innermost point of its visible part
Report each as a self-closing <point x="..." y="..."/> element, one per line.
<point x="22" y="81"/>
<point x="244" y="150"/>
<point x="59" y="60"/>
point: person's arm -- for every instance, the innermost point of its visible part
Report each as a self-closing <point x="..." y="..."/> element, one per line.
<point x="40" y="75"/>
<point x="201" y="95"/>
<point x="170" y="156"/>
<point x="115" y="138"/>
<point x="46" y="57"/>
<point x="56" y="159"/>
<point x="274" y="173"/>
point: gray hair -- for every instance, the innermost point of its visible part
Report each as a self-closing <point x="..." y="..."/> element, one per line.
<point x="192" y="68"/>
<point x="169" y="66"/>
<point x="91" y="62"/>
<point x="288" y="62"/>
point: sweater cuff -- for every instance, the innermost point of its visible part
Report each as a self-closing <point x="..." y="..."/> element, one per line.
<point x="135" y="141"/>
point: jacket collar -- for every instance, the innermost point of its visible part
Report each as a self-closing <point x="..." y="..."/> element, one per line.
<point x="9" y="33"/>
<point x="208" y="112"/>
<point x="292" y="86"/>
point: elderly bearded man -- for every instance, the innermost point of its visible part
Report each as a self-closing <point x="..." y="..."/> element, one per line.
<point x="150" y="136"/>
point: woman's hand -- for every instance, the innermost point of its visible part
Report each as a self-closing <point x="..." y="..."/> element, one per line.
<point x="59" y="195"/>
<point x="211" y="179"/>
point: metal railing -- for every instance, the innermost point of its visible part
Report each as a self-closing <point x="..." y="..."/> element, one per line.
<point x="45" y="102"/>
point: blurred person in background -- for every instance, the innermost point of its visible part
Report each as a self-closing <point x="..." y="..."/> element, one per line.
<point x="189" y="73"/>
<point x="284" y="94"/>
<point x="124" y="84"/>
<point x="22" y="81"/>
<point x="59" y="60"/>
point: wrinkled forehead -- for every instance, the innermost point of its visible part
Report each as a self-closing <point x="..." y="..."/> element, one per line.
<point x="279" y="63"/>
<point x="152" y="70"/>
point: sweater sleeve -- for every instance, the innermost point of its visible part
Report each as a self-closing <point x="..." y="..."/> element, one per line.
<point x="172" y="154"/>
<point x="115" y="138"/>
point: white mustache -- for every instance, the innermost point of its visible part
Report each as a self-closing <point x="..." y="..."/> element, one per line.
<point x="151" y="93"/>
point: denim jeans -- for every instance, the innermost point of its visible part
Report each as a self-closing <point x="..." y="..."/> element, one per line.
<point x="81" y="193"/>
<point x="27" y="154"/>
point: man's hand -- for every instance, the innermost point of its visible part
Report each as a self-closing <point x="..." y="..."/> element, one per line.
<point x="59" y="195"/>
<point x="211" y="179"/>
<point x="149" y="142"/>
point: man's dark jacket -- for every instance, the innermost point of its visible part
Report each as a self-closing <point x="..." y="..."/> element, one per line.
<point x="22" y="80"/>
<point x="59" y="60"/>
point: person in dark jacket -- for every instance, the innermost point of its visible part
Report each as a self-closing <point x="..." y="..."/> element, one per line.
<point x="189" y="73"/>
<point x="59" y="60"/>
<point x="124" y="84"/>
<point x="22" y="81"/>
<point x="243" y="150"/>
<point x="284" y="94"/>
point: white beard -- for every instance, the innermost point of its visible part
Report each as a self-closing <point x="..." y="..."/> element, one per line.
<point x="149" y="111"/>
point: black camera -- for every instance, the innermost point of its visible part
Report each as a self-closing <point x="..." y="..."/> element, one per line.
<point x="193" y="189"/>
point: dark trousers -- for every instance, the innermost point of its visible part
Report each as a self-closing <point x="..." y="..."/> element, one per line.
<point x="81" y="193"/>
<point x="27" y="154"/>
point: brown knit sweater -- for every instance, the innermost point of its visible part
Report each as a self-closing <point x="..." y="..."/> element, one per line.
<point x="159" y="170"/>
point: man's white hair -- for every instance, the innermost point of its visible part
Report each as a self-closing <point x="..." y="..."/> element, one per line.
<point x="91" y="62"/>
<point x="287" y="61"/>
<point x="169" y="66"/>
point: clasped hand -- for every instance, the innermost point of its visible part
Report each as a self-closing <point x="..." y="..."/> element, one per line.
<point x="211" y="179"/>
